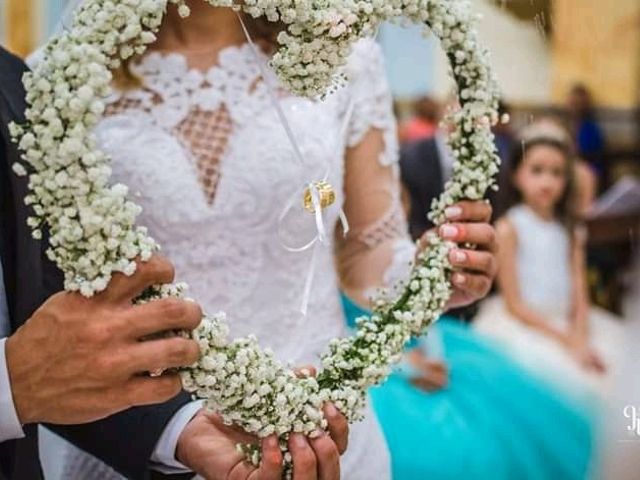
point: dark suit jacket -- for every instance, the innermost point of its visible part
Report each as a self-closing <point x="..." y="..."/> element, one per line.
<point x="423" y="179"/>
<point x="422" y="176"/>
<point x="125" y="441"/>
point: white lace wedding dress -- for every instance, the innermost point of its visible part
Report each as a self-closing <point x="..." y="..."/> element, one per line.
<point x="206" y="157"/>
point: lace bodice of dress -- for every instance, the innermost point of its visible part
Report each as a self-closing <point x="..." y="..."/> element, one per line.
<point x="206" y="157"/>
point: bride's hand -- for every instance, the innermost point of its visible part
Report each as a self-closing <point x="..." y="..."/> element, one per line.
<point x="208" y="447"/>
<point x="475" y="269"/>
<point x="433" y="374"/>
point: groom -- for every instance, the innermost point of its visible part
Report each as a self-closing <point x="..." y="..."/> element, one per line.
<point x="72" y="360"/>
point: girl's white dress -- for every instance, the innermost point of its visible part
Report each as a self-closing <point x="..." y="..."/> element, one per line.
<point x="544" y="277"/>
<point x="206" y="157"/>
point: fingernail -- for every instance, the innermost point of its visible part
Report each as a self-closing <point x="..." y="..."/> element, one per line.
<point x="448" y="231"/>
<point x="460" y="279"/>
<point x="298" y="440"/>
<point x="271" y="442"/>
<point x="330" y="410"/>
<point x="453" y="213"/>
<point x="459" y="256"/>
<point x="317" y="434"/>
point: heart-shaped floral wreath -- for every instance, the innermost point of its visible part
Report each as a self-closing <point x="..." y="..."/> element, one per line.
<point x="91" y="224"/>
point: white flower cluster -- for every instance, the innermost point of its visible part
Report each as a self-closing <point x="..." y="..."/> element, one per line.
<point x="91" y="225"/>
<point x="250" y="386"/>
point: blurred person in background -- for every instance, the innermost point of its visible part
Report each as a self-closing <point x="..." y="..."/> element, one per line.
<point x="620" y="441"/>
<point x="424" y="123"/>
<point x="585" y="185"/>
<point x="425" y="167"/>
<point x="504" y="137"/>
<point x="588" y="136"/>
<point x="468" y="410"/>
<point x="542" y="315"/>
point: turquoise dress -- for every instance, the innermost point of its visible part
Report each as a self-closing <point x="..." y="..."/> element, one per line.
<point x="494" y="420"/>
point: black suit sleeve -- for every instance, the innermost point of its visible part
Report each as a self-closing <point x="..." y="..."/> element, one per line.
<point x="412" y="159"/>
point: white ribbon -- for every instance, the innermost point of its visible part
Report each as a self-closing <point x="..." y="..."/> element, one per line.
<point x="321" y="236"/>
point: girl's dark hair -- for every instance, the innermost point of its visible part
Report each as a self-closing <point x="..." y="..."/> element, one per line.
<point x="510" y="195"/>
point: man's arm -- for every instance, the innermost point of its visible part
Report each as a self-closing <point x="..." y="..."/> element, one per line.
<point x="100" y="363"/>
<point x="31" y="279"/>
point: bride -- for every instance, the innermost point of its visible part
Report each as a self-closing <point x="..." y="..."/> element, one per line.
<point x="192" y="130"/>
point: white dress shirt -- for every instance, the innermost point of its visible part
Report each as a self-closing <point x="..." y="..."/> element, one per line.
<point x="10" y="426"/>
<point x="163" y="456"/>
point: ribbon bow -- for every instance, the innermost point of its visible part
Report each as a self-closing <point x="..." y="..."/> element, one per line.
<point x="316" y="196"/>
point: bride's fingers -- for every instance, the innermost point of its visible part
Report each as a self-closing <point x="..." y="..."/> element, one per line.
<point x="468" y="211"/>
<point x="481" y="234"/>
<point x="476" y="261"/>
<point x="476" y="286"/>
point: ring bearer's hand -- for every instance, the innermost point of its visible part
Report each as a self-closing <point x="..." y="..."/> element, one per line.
<point x="80" y="359"/>
<point x="208" y="447"/>
<point x="433" y="373"/>
<point x="475" y="269"/>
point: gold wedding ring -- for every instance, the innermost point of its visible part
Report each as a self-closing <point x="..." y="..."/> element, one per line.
<point x="327" y="196"/>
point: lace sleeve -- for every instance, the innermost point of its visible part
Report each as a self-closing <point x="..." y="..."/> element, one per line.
<point x="372" y="100"/>
<point x="378" y="251"/>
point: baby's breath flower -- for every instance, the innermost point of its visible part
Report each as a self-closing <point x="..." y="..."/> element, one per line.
<point x="91" y="225"/>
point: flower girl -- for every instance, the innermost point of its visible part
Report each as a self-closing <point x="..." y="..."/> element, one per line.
<point x="542" y="314"/>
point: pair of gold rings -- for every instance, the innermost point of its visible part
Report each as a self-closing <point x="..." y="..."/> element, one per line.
<point x="326" y="196"/>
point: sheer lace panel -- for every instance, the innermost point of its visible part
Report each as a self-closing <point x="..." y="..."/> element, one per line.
<point x="204" y="133"/>
<point x="377" y="252"/>
<point x="390" y="226"/>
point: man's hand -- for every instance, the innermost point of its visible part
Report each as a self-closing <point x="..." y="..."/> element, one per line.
<point x="475" y="269"/>
<point x="78" y="360"/>
<point x="208" y="447"/>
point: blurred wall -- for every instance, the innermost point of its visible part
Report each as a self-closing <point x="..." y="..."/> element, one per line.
<point x="598" y="42"/>
<point x="409" y="59"/>
<point x="520" y="55"/>
<point x="26" y="24"/>
<point x="19" y="25"/>
<point x="593" y="41"/>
